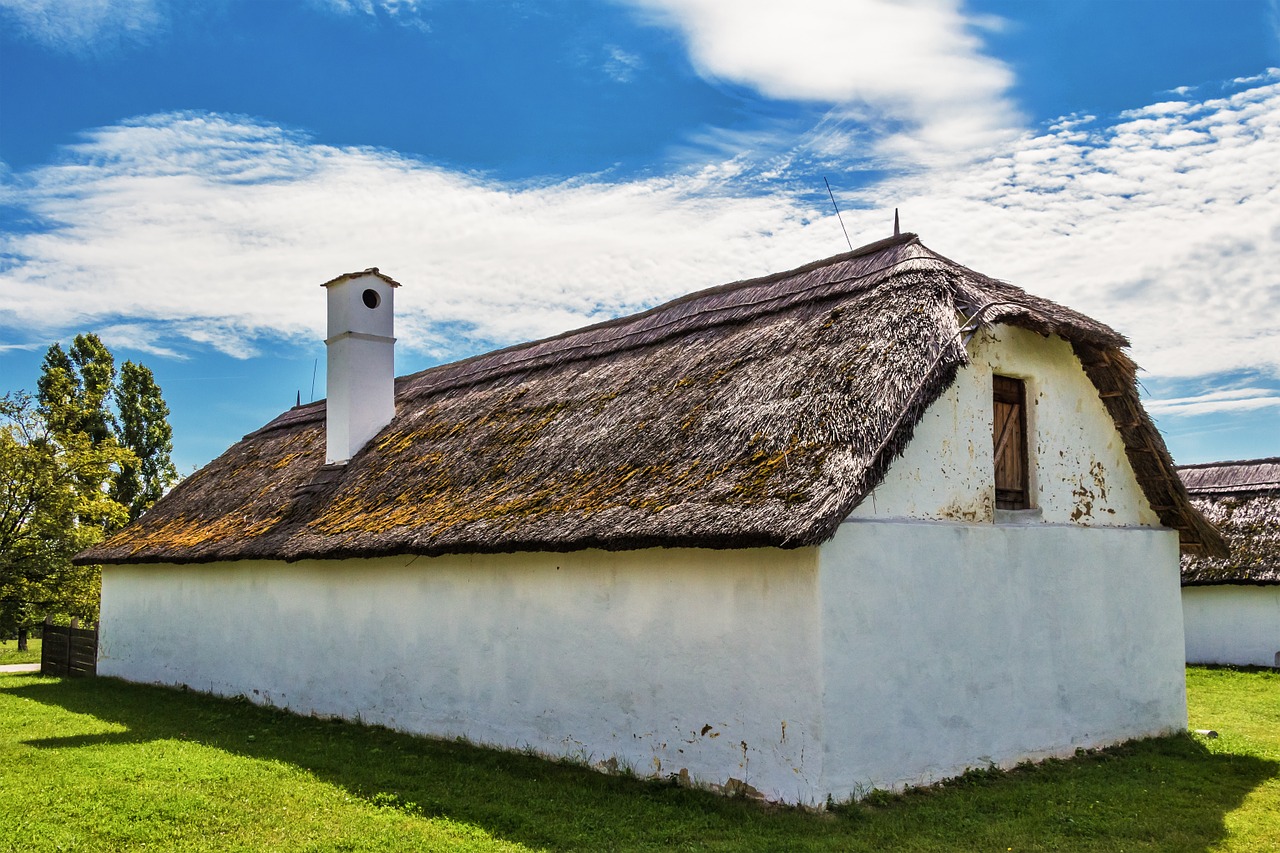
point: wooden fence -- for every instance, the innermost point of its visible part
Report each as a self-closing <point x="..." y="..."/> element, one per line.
<point x="69" y="651"/>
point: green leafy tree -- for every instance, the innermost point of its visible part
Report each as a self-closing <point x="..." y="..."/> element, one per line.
<point x="48" y="515"/>
<point x="75" y="389"/>
<point x="73" y="471"/>
<point x="143" y="429"/>
<point x="59" y="390"/>
<point x="97" y="369"/>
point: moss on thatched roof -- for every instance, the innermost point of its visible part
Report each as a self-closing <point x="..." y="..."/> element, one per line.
<point x="758" y="413"/>
<point x="1242" y="500"/>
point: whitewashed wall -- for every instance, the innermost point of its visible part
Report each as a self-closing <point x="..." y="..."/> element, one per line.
<point x="1232" y="624"/>
<point x="666" y="659"/>
<point x="1079" y="473"/>
<point x="949" y="645"/>
<point x="934" y="647"/>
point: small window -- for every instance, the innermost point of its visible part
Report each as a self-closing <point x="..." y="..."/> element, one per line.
<point x="1009" y="437"/>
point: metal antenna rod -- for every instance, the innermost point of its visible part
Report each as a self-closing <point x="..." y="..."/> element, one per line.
<point x="838" y="216"/>
<point x="314" y="366"/>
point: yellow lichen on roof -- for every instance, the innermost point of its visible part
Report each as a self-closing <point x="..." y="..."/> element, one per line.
<point x="186" y="532"/>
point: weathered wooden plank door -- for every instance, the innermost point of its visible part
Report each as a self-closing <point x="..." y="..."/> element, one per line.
<point x="1009" y="438"/>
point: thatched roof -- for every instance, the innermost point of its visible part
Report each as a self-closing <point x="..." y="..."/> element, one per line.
<point x="1242" y="499"/>
<point x="758" y="413"/>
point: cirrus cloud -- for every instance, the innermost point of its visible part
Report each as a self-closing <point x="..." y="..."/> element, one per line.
<point x="92" y="26"/>
<point x="76" y="26"/>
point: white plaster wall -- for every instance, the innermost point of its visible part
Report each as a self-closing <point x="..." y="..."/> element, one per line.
<point x="1232" y="624"/>
<point x="949" y="645"/>
<point x="1078" y="470"/>
<point x="935" y="646"/>
<point x="664" y="658"/>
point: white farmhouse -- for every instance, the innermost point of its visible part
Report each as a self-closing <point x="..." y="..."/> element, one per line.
<point x="862" y="524"/>
<point x="1231" y="606"/>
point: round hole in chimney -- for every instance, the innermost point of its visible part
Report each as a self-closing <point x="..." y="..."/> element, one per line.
<point x="371" y="298"/>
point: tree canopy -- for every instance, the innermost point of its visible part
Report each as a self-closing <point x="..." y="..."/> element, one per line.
<point x="74" y="389"/>
<point x="143" y="429"/>
<point x="73" y="470"/>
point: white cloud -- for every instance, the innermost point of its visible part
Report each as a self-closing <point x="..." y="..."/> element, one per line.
<point x="217" y="230"/>
<point x="1161" y="108"/>
<point x="139" y="337"/>
<point x="404" y="12"/>
<point x="220" y="231"/>
<point x="371" y="7"/>
<point x="89" y="26"/>
<point x="1235" y="400"/>
<point x="1269" y="74"/>
<point x="1167" y="229"/>
<point x="917" y="63"/>
<point x="622" y="65"/>
<point x="73" y="26"/>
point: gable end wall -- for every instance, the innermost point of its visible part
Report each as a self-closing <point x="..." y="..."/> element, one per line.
<point x="1078" y="471"/>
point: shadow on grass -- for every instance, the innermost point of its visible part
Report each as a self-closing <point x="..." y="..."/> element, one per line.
<point x="1161" y="794"/>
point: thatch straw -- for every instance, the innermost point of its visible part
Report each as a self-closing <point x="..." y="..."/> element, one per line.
<point x="758" y="413"/>
<point x="1242" y="500"/>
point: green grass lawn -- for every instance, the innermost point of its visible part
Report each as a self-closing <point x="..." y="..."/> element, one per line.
<point x="9" y="652"/>
<point x="97" y="764"/>
<point x="1244" y="708"/>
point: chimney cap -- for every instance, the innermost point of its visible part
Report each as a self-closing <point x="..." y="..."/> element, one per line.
<point x="347" y="276"/>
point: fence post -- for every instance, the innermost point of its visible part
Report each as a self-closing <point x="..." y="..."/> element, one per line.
<point x="47" y="641"/>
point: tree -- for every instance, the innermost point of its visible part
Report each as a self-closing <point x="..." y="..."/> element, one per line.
<point x="47" y="515"/>
<point x="58" y="390"/>
<point x="75" y="390"/>
<point x="143" y="429"/>
<point x="71" y="472"/>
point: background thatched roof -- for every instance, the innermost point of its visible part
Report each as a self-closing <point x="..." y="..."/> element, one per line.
<point x="1241" y="499"/>
<point x="754" y="413"/>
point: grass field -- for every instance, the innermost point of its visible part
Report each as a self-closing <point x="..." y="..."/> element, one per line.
<point x="97" y="764"/>
<point x="9" y="652"/>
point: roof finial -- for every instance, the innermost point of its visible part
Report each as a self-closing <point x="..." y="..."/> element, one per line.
<point x="896" y="231"/>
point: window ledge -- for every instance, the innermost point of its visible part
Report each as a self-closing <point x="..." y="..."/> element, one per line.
<point x="1019" y="516"/>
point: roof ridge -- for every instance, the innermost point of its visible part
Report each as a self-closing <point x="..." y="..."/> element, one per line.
<point x="502" y="369"/>
<point x="417" y="382"/>
<point x="1231" y="463"/>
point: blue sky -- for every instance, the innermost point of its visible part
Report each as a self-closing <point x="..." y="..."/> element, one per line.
<point x="179" y="177"/>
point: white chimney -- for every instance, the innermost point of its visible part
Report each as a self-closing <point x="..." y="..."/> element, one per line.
<point x="361" y="361"/>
